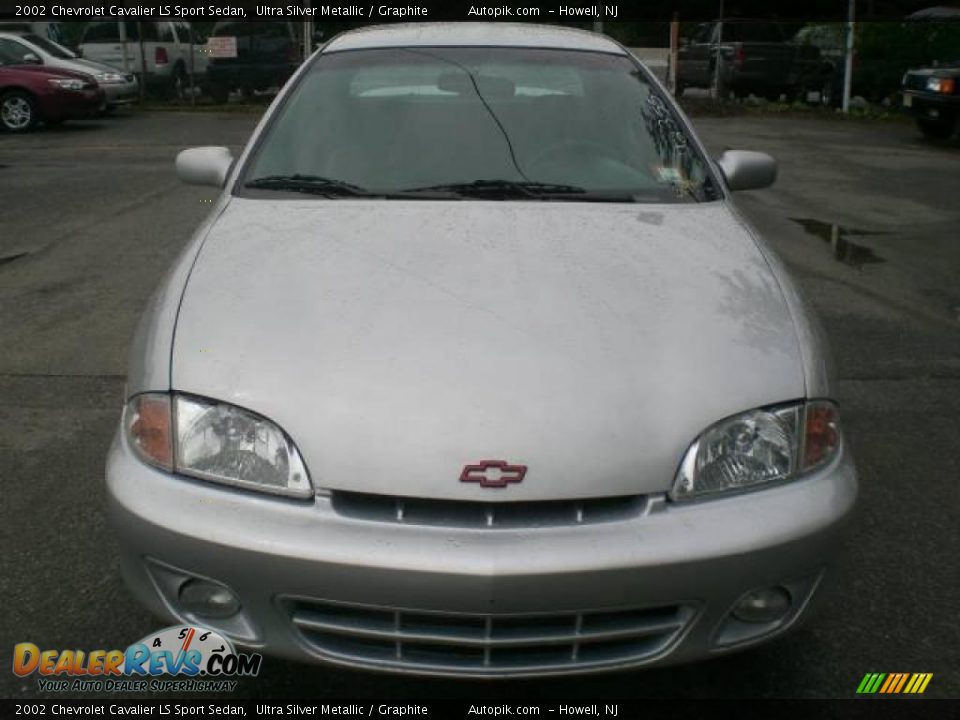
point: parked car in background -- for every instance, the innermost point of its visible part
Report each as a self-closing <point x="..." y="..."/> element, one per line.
<point x="35" y="93"/>
<point x="757" y="57"/>
<point x="167" y="49"/>
<point x="932" y="95"/>
<point x="49" y="30"/>
<point x="119" y="87"/>
<point x="250" y="57"/>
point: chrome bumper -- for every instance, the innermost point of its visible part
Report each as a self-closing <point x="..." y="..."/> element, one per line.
<point x="316" y="585"/>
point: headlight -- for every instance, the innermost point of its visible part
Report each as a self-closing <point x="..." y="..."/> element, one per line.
<point x="110" y="77"/>
<point x="217" y="442"/>
<point x="758" y="448"/>
<point x="941" y="85"/>
<point x="66" y="84"/>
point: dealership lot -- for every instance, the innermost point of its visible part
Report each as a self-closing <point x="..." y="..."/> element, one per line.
<point x="865" y="214"/>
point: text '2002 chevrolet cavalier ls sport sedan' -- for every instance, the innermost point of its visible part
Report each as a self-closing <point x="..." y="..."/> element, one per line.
<point x="475" y="370"/>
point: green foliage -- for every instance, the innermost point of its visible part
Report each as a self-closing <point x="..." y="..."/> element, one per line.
<point x="885" y="50"/>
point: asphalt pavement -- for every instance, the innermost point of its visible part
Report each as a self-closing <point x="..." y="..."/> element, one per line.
<point x="866" y="215"/>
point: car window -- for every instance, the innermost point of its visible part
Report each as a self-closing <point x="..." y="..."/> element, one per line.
<point x="109" y="32"/>
<point x="752" y="32"/>
<point x="150" y="33"/>
<point x="50" y="47"/>
<point x="260" y="29"/>
<point x="164" y="32"/>
<point x="183" y="31"/>
<point x="101" y="32"/>
<point x="398" y="119"/>
<point x="702" y="33"/>
<point x="11" y="53"/>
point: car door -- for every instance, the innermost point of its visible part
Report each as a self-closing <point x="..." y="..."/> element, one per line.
<point x="101" y="42"/>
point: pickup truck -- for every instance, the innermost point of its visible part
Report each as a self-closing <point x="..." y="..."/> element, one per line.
<point x="756" y="57"/>
<point x="167" y="50"/>
<point x="932" y="96"/>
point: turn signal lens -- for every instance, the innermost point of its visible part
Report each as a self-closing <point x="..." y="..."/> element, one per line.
<point x="941" y="85"/>
<point x="148" y="423"/>
<point x="821" y="434"/>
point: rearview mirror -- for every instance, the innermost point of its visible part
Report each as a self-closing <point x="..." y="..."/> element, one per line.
<point x="204" y="165"/>
<point x="747" y="170"/>
<point x="32" y="59"/>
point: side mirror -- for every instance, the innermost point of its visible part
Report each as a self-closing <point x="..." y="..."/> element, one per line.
<point x="204" y="165"/>
<point x="747" y="170"/>
<point x="32" y="59"/>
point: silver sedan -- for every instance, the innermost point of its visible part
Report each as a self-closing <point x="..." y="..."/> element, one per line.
<point x="475" y="369"/>
<point x="120" y="88"/>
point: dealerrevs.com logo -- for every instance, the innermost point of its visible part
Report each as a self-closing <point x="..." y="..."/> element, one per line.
<point x="179" y="658"/>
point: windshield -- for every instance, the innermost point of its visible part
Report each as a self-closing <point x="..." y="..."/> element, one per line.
<point x="544" y="124"/>
<point x="57" y="51"/>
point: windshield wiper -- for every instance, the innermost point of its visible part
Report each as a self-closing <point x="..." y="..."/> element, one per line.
<point x="311" y="184"/>
<point x="502" y="189"/>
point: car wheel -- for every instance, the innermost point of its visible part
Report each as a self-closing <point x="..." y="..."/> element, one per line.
<point x="18" y="111"/>
<point x="178" y="83"/>
<point x="936" y="128"/>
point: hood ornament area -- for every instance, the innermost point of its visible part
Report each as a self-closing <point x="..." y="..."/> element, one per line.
<point x="493" y="473"/>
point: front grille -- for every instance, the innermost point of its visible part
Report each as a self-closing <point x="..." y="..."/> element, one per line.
<point x="916" y="82"/>
<point x="485" y="644"/>
<point x="468" y="514"/>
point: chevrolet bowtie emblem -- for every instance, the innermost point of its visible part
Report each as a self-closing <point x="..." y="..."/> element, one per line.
<point x="493" y="473"/>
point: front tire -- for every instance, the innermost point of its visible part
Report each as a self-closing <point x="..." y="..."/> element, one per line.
<point x="177" y="88"/>
<point x="18" y="111"/>
<point x="937" y="128"/>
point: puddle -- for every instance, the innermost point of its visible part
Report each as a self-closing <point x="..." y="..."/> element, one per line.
<point x="10" y="258"/>
<point x="836" y="236"/>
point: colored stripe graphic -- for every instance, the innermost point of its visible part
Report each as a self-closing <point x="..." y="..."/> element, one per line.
<point x="894" y="683"/>
<point x="920" y="685"/>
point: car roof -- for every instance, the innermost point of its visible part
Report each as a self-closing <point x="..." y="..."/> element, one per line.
<point x="473" y="34"/>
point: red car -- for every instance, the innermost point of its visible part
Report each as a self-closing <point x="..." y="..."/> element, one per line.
<point x="34" y="93"/>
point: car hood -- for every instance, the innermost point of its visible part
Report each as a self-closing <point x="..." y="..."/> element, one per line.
<point x="396" y="342"/>
<point x="55" y="72"/>
<point x="90" y="67"/>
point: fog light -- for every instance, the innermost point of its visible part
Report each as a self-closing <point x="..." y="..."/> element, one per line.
<point x="207" y="599"/>
<point x="763" y="606"/>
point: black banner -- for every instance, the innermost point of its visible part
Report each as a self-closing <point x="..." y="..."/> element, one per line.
<point x="572" y="11"/>
<point x="873" y="709"/>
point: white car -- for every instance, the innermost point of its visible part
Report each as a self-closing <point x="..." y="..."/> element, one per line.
<point x="167" y="50"/>
<point x="119" y="87"/>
